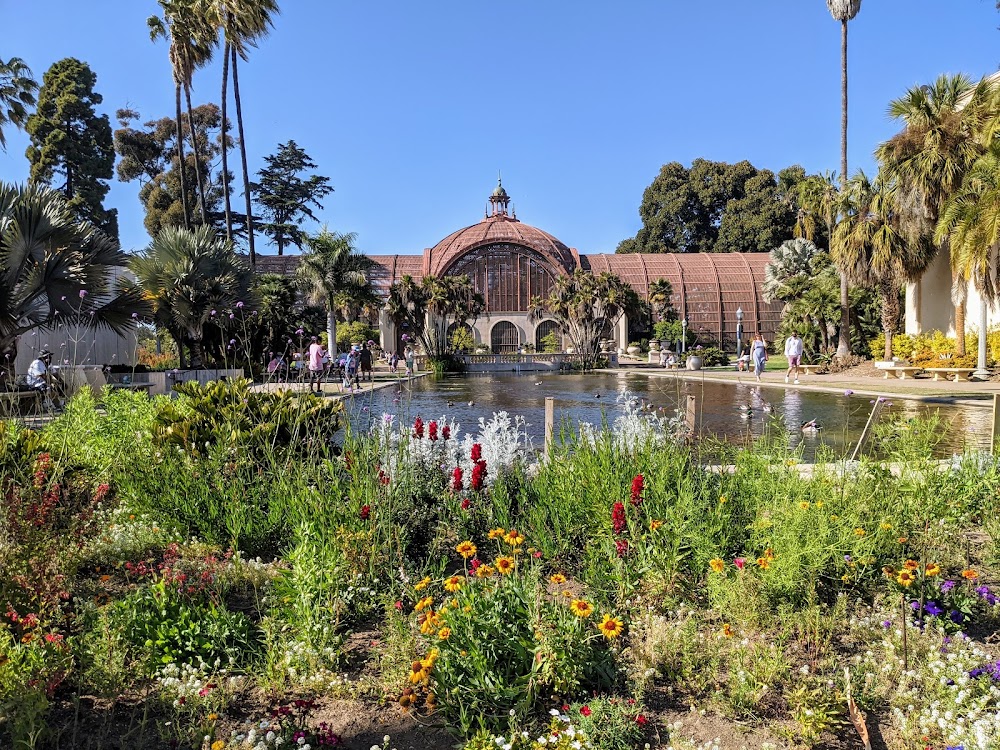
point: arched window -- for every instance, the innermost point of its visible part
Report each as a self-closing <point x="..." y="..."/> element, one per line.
<point x="508" y="276"/>
<point x="547" y="328"/>
<point x="504" y="338"/>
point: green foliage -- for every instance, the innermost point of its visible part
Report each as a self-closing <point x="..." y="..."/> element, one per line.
<point x="17" y="94"/>
<point x="716" y="207"/>
<point x="551" y="343"/>
<point x="71" y="143"/>
<point x="286" y="199"/>
<point x="355" y="333"/>
<point x="462" y="340"/>
<point x="669" y="333"/>
<point x="713" y="356"/>
<point x="427" y="310"/>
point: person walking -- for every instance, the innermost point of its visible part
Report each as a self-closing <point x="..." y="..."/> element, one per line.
<point x="793" y="350"/>
<point x="365" y="362"/>
<point x="316" y="353"/>
<point x="758" y="353"/>
<point x="408" y="357"/>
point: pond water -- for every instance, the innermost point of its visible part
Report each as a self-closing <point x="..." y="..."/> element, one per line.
<point x="721" y="407"/>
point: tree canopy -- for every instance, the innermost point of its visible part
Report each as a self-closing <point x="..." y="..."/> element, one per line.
<point x="716" y="207"/>
<point x="71" y="142"/>
<point x="17" y="94"/>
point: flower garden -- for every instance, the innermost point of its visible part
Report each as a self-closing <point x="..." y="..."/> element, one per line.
<point x="232" y="569"/>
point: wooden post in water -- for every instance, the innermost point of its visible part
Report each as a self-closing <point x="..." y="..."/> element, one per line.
<point x="868" y="426"/>
<point x="996" y="422"/>
<point x="550" y="422"/>
<point x="691" y="415"/>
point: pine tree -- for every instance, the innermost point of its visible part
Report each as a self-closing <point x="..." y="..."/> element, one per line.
<point x="70" y="141"/>
<point x="286" y="196"/>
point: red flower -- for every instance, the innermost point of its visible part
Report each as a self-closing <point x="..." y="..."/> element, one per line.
<point x="585" y="711"/>
<point x="537" y="554"/>
<point x="446" y="432"/>
<point x="637" y="486"/>
<point x="432" y="430"/>
<point x="477" y="452"/>
<point x="466" y="503"/>
<point x="365" y="512"/>
<point x="399" y="605"/>
<point x="621" y="547"/>
<point x="456" y="479"/>
<point x="476" y="562"/>
<point x="618" y="517"/>
<point x="418" y="428"/>
<point x="383" y="478"/>
<point x="640" y="720"/>
<point x="478" y="474"/>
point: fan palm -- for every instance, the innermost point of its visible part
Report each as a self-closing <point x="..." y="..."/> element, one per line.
<point x="660" y="297"/>
<point x="243" y="23"/>
<point x="17" y="93"/>
<point x="55" y="269"/>
<point x="331" y="267"/>
<point x="844" y="11"/>
<point x="190" y="277"/>
<point x="944" y="134"/>
<point x="871" y="248"/>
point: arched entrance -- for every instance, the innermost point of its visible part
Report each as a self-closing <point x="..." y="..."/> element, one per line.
<point x="504" y="338"/>
<point x="544" y="330"/>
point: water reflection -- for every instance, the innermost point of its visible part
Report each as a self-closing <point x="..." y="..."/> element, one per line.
<point x="733" y="412"/>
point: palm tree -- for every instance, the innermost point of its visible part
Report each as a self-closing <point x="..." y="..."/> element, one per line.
<point x="191" y="277"/>
<point x="243" y="23"/>
<point x="659" y="296"/>
<point x="17" y="93"/>
<point x="55" y="269"/>
<point x="191" y="37"/>
<point x="844" y="11"/>
<point x="946" y="126"/>
<point x="331" y="266"/>
<point x="872" y="249"/>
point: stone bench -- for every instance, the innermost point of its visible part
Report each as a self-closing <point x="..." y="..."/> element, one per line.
<point x="13" y="402"/>
<point x="955" y="374"/>
<point x="811" y="369"/>
<point x="902" y="372"/>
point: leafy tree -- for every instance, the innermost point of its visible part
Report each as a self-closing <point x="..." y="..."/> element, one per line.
<point x="583" y="304"/>
<point x="192" y="278"/>
<point x="281" y="312"/>
<point x="843" y="11"/>
<point x="947" y="125"/>
<point x="191" y="38"/>
<point x="55" y="268"/>
<point x="713" y="207"/>
<point x="149" y="155"/>
<point x="70" y="140"/>
<point x="433" y="306"/>
<point x="17" y="94"/>
<point x="331" y="266"/>
<point x="286" y="197"/>
<point x="872" y="248"/>
<point x="805" y="279"/>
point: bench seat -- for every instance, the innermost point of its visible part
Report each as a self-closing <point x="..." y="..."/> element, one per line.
<point x="902" y="372"/>
<point x="811" y="369"/>
<point x="955" y="374"/>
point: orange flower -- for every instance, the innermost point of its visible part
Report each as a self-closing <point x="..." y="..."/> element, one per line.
<point x="444" y="633"/>
<point x="581" y="608"/>
<point x="611" y="627"/>
<point x="513" y="538"/>
<point x="485" y="571"/>
<point x="423" y="603"/>
<point x="717" y="564"/>
<point x="466" y="549"/>
<point x="453" y="584"/>
<point x="655" y="524"/>
<point x="497" y="532"/>
<point x="727" y="631"/>
<point x="558" y="579"/>
<point x="764" y="562"/>
<point x="505" y="565"/>
<point x="902" y="540"/>
<point x="969" y="574"/>
<point x="911" y="565"/>
<point x="905" y="578"/>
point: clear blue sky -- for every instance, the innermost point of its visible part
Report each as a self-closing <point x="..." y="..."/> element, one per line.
<point x="411" y="108"/>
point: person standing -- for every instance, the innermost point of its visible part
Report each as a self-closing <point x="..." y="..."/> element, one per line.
<point x="365" y="361"/>
<point x="408" y="357"/>
<point x="40" y="376"/>
<point x="758" y="353"/>
<point x="793" y="350"/>
<point x="316" y="353"/>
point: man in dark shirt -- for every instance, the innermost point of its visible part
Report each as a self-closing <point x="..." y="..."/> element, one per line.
<point x="366" y="362"/>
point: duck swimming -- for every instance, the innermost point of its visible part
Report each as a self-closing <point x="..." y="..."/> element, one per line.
<point x="811" y="426"/>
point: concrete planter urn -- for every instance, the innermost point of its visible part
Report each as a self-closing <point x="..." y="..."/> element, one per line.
<point x="694" y="362"/>
<point x="635" y="351"/>
<point x="570" y="350"/>
<point x="654" y="345"/>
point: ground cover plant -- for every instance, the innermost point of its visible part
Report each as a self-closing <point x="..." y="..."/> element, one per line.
<point x="187" y="573"/>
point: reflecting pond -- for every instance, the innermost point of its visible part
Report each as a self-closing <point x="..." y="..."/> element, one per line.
<point x="726" y="410"/>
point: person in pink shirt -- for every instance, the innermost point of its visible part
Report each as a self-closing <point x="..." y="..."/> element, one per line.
<point x="316" y="353"/>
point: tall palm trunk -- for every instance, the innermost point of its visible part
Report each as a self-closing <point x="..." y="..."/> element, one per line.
<point x="889" y="292"/>
<point x="180" y="157"/>
<point x="243" y="157"/>
<point x="197" y="155"/>
<point x="331" y="329"/>
<point x="225" y="147"/>
<point x="960" y="329"/>
<point x="844" y="342"/>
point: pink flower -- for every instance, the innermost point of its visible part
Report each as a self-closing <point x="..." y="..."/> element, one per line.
<point x="739" y="562"/>
<point x="585" y="711"/>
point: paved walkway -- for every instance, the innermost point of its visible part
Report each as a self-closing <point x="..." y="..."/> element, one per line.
<point x="924" y="388"/>
<point x="334" y="389"/>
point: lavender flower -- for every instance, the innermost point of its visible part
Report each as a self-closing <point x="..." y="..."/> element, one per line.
<point x="83" y="293"/>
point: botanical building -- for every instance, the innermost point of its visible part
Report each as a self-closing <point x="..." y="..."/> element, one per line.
<point x="510" y="262"/>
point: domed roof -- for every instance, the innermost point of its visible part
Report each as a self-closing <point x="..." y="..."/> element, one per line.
<point x="500" y="228"/>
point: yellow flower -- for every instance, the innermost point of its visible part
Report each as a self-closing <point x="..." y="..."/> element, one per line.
<point x="611" y="627"/>
<point x="764" y="562"/>
<point x="444" y="633"/>
<point x="581" y="608"/>
<point x="804" y="505"/>
<point x="911" y="565"/>
<point x="769" y="553"/>
<point x="905" y="578"/>
<point x="723" y="499"/>
<point x="859" y="532"/>
<point x="655" y="524"/>
<point x="886" y="526"/>
<point x="484" y="571"/>
<point x="422" y="585"/>
<point x="212" y="717"/>
<point x="969" y="574"/>
<point x="423" y="604"/>
<point x="932" y="570"/>
<point x="467" y="609"/>
<point x="466" y="549"/>
<point x="498" y="532"/>
<point x="727" y="630"/>
<point x="558" y="579"/>
<point x="819" y="503"/>
<point x="505" y="565"/>
<point x="218" y="745"/>
<point x="834" y="517"/>
<point x="717" y="564"/>
<point x="513" y="538"/>
<point x="453" y="584"/>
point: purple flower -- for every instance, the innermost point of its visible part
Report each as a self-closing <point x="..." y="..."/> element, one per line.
<point x="212" y="313"/>
<point x="232" y="342"/>
<point x="239" y="305"/>
<point x="932" y="609"/>
<point x="848" y="392"/>
<point x="231" y="316"/>
<point x="947" y="586"/>
<point x="847" y="558"/>
<point x="83" y="293"/>
<point x="956" y="617"/>
<point x="886" y="624"/>
<point x="299" y="331"/>
<point x="64" y="298"/>
<point x="135" y="316"/>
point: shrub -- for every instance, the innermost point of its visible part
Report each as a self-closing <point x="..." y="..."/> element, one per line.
<point x="355" y="333"/>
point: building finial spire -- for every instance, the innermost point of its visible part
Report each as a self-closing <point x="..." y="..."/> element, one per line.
<point x="499" y="200"/>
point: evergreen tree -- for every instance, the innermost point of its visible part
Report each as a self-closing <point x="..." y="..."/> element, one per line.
<point x="285" y="195"/>
<point x="70" y="141"/>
